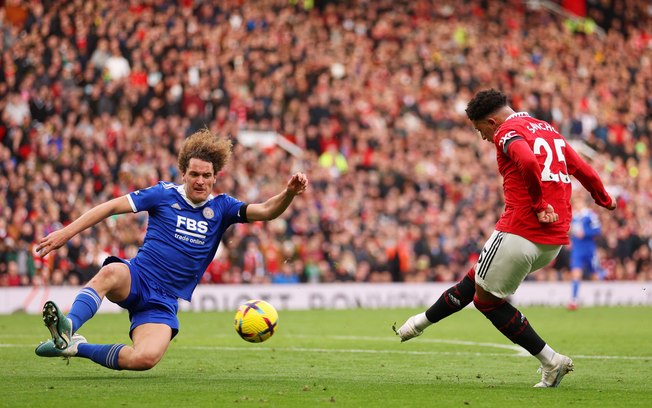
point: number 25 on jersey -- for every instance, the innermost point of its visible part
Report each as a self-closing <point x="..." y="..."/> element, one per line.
<point x="541" y="146"/>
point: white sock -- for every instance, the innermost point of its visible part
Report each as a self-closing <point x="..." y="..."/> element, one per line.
<point x="546" y="355"/>
<point x="421" y="321"/>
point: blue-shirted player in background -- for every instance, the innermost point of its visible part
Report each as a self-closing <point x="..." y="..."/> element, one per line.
<point x="185" y="227"/>
<point x="584" y="263"/>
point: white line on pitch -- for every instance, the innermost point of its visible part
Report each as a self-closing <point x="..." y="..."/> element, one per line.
<point x="515" y="348"/>
<point x="351" y="351"/>
<point x="519" y="352"/>
<point x="410" y="352"/>
<point x="394" y="339"/>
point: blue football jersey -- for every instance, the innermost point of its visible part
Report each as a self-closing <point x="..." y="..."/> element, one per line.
<point x="182" y="237"/>
<point x="587" y="224"/>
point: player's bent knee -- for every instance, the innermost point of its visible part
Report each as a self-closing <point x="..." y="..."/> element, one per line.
<point x="144" y="361"/>
<point x="112" y="280"/>
<point x="107" y="274"/>
<point x="144" y="364"/>
<point x="487" y="305"/>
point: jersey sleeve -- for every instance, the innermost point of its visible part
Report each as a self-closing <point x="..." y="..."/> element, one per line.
<point x="587" y="176"/>
<point x="233" y="210"/>
<point x="519" y="151"/>
<point x="505" y="139"/>
<point x="146" y="198"/>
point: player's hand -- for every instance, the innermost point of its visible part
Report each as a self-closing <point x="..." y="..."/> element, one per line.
<point x="548" y="215"/>
<point x="613" y="205"/>
<point x="51" y="242"/>
<point x="297" y="184"/>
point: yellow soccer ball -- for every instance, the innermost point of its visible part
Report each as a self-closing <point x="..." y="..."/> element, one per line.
<point x="256" y="321"/>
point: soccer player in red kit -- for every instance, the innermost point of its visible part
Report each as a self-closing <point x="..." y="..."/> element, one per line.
<point x="535" y="162"/>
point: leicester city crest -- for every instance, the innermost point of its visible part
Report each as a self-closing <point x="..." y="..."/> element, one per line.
<point x="208" y="213"/>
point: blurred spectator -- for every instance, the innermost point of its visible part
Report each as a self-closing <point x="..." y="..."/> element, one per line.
<point x="287" y="274"/>
<point x="96" y="100"/>
<point x="16" y="111"/>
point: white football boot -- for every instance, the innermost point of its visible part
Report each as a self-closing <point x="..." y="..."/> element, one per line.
<point x="409" y="329"/>
<point x="552" y="374"/>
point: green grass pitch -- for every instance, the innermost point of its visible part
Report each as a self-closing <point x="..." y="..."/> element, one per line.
<point x="345" y="358"/>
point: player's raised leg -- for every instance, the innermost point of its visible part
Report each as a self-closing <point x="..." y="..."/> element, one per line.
<point x="451" y="300"/>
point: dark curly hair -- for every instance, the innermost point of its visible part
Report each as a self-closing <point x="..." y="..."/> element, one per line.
<point x="484" y="103"/>
<point x="205" y="146"/>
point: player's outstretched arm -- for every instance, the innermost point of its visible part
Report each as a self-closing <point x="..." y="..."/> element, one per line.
<point x="276" y="205"/>
<point x="91" y="217"/>
<point x="589" y="179"/>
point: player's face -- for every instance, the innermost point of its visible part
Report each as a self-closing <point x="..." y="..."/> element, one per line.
<point x="199" y="180"/>
<point x="486" y="129"/>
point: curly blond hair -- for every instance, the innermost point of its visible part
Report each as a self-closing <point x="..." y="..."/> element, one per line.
<point x="206" y="146"/>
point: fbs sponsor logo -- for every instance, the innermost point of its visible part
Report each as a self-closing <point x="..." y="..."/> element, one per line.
<point x="191" y="230"/>
<point x="192" y="227"/>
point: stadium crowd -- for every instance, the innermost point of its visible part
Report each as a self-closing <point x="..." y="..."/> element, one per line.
<point x="97" y="95"/>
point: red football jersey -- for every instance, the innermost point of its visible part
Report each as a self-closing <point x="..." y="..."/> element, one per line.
<point x="536" y="162"/>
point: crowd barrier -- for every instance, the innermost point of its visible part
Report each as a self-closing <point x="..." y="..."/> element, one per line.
<point x="344" y="296"/>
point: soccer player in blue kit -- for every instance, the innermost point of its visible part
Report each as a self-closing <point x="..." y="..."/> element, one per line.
<point x="185" y="226"/>
<point x="584" y="262"/>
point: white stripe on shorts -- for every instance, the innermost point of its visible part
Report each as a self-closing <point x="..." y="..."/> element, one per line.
<point x="485" y="259"/>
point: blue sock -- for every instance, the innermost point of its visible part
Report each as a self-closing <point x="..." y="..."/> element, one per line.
<point x="103" y="354"/>
<point x="575" y="289"/>
<point x="84" y="307"/>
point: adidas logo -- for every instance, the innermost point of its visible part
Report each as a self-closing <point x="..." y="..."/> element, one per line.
<point x="176" y="206"/>
<point x="455" y="300"/>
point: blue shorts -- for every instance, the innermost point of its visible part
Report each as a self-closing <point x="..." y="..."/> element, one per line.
<point x="147" y="302"/>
